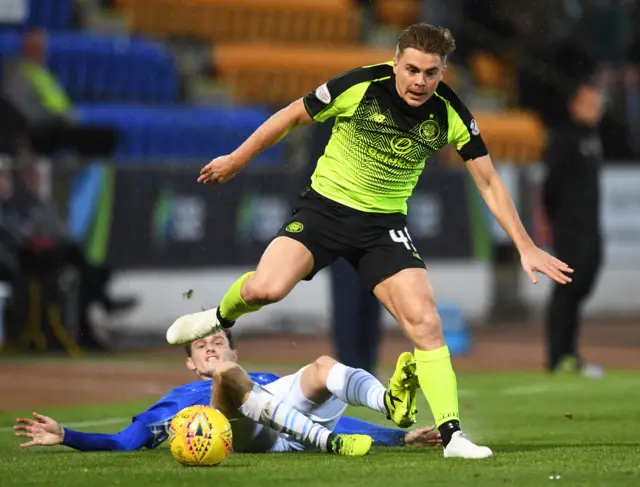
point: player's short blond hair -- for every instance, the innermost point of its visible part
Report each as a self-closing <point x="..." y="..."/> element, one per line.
<point x="427" y="38"/>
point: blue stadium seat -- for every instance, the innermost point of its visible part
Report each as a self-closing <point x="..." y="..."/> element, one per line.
<point x="51" y="14"/>
<point x="455" y="328"/>
<point x="107" y="68"/>
<point x="152" y="134"/>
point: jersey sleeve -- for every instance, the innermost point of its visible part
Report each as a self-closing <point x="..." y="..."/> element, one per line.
<point x="133" y="437"/>
<point x="342" y="94"/>
<point x="381" y="435"/>
<point x="464" y="133"/>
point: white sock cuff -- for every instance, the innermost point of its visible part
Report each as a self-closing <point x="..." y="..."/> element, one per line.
<point x="337" y="378"/>
<point x="252" y="407"/>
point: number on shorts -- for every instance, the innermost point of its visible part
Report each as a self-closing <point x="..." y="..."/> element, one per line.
<point x="403" y="237"/>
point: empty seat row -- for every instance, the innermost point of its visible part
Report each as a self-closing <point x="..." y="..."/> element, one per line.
<point x="515" y="137"/>
<point x="52" y="15"/>
<point x="97" y="68"/>
<point x="276" y="74"/>
<point x="306" y="21"/>
<point x="181" y="133"/>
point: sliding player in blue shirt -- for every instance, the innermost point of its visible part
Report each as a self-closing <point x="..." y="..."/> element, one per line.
<point x="298" y="412"/>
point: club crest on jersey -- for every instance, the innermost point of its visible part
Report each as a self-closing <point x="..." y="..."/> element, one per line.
<point x="295" y="227"/>
<point x="322" y="94"/>
<point x="430" y="130"/>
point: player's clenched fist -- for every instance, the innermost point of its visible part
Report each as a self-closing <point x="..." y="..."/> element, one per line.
<point x="220" y="170"/>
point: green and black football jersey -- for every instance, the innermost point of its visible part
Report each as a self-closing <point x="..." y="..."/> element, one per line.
<point x="379" y="144"/>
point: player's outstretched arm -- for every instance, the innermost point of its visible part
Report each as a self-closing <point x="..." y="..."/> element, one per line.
<point x="428" y="436"/>
<point x="383" y="436"/>
<point x="222" y="169"/>
<point x="496" y="196"/>
<point x="45" y="431"/>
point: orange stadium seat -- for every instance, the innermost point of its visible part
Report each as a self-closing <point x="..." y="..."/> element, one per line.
<point x="513" y="137"/>
<point x="493" y="74"/>
<point x="397" y="13"/>
<point x="296" y="21"/>
<point x="277" y="74"/>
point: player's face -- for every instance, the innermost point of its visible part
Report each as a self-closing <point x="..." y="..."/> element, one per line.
<point x="207" y="353"/>
<point x="417" y="75"/>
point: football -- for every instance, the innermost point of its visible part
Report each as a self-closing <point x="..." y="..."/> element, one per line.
<point x="200" y="436"/>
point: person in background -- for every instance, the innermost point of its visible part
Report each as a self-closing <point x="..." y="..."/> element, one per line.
<point x="571" y="197"/>
<point x="356" y="319"/>
<point x="46" y="108"/>
<point x="42" y="241"/>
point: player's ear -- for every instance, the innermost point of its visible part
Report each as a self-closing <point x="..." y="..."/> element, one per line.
<point x="190" y="365"/>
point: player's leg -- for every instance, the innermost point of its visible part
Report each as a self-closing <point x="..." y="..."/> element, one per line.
<point x="235" y="395"/>
<point x="391" y="267"/>
<point x="299" y="251"/>
<point x="306" y="391"/>
<point x="408" y="295"/>
<point x="327" y="377"/>
<point x="564" y="310"/>
<point x="284" y="263"/>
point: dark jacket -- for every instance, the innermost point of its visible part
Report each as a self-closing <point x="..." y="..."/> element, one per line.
<point x="571" y="192"/>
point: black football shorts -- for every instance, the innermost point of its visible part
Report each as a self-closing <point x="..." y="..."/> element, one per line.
<point x="377" y="245"/>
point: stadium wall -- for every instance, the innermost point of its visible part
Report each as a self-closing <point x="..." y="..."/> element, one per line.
<point x="306" y="309"/>
<point x="466" y="282"/>
<point x="616" y="290"/>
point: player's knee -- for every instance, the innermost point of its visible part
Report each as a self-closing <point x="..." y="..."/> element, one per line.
<point x="263" y="291"/>
<point x="231" y="386"/>
<point x="313" y="381"/>
<point x="323" y="365"/>
<point x="226" y="373"/>
<point x="423" y="326"/>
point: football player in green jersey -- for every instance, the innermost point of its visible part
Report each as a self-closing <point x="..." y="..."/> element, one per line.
<point x="390" y="118"/>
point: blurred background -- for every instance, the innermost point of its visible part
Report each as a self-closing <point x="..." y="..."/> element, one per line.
<point x="110" y="107"/>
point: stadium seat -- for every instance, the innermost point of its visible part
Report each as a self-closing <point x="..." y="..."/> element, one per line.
<point x="179" y="133"/>
<point x="277" y="74"/>
<point x="397" y="13"/>
<point x="292" y="21"/>
<point x="513" y="137"/>
<point x="106" y="68"/>
<point x="53" y="15"/>
<point x="494" y="75"/>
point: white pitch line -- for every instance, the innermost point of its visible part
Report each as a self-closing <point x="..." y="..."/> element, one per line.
<point x="527" y="390"/>
<point x="82" y="424"/>
<point x="467" y="393"/>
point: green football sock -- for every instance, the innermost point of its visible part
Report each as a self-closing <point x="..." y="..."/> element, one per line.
<point x="232" y="305"/>
<point x="438" y="383"/>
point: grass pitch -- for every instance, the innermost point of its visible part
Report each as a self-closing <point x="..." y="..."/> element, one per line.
<point x="567" y="431"/>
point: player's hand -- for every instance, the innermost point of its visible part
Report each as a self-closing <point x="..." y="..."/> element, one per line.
<point x="428" y="436"/>
<point x="220" y="170"/>
<point x="536" y="260"/>
<point x="42" y="430"/>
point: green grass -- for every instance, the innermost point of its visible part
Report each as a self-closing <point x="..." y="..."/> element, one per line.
<point x="522" y="417"/>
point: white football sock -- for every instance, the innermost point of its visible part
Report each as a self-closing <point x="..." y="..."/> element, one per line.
<point x="264" y="408"/>
<point x="356" y="387"/>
